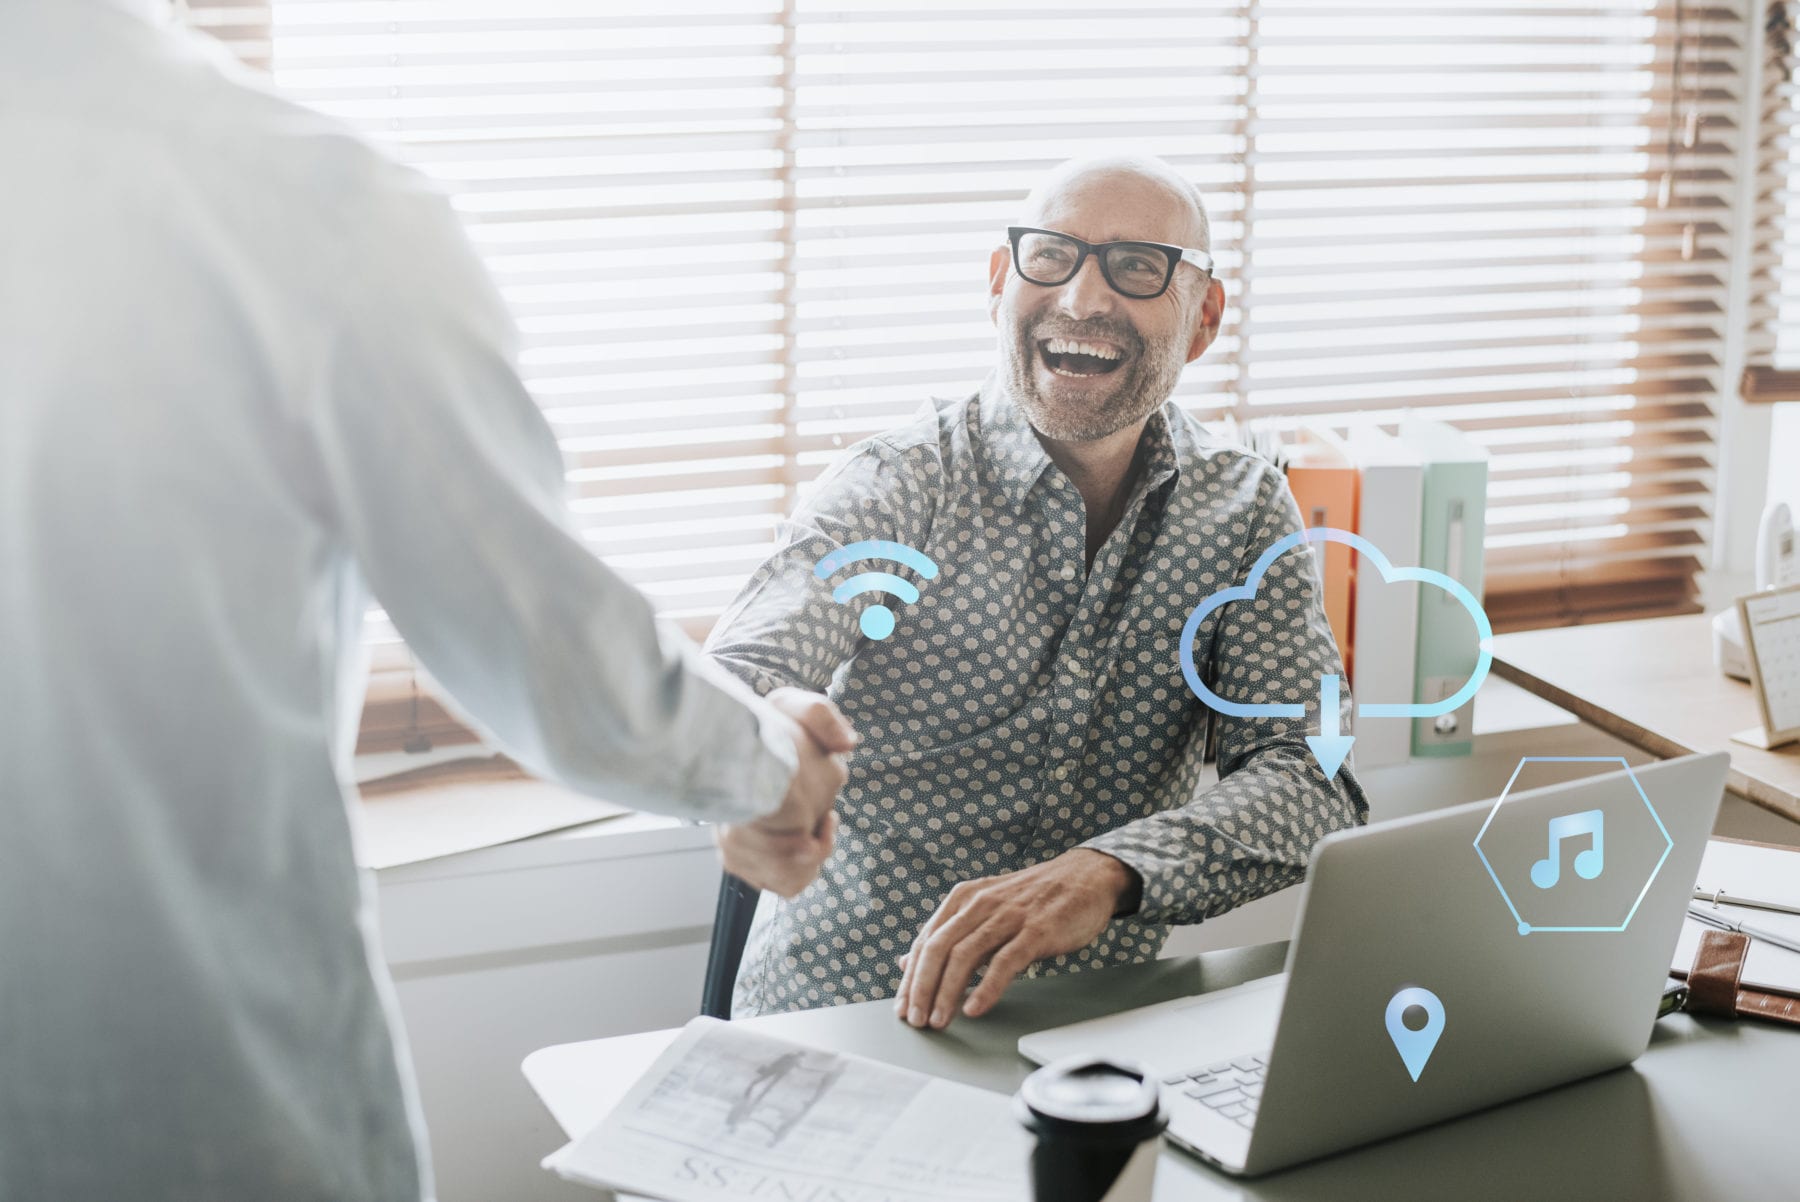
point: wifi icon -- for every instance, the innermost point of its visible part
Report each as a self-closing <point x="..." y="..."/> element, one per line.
<point x="877" y="621"/>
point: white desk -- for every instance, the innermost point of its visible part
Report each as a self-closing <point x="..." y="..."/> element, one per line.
<point x="1652" y="683"/>
<point x="1708" y="1112"/>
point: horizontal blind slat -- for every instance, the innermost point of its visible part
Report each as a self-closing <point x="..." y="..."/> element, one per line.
<point x="730" y="261"/>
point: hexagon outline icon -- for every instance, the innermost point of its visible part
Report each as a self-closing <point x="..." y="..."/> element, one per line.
<point x="1526" y="928"/>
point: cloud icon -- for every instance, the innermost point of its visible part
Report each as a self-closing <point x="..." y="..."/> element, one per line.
<point x="1328" y="685"/>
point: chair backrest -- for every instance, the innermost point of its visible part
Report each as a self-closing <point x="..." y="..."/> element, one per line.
<point x="732" y="917"/>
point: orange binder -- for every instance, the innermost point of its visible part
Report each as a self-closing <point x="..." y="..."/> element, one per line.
<point x="1324" y="480"/>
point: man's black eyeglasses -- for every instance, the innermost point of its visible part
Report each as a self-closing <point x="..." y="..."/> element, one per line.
<point x="1140" y="270"/>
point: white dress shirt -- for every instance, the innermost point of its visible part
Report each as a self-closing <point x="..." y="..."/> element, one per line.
<point x="251" y="372"/>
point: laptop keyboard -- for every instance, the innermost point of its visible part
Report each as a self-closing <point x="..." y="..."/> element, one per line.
<point x="1232" y="1088"/>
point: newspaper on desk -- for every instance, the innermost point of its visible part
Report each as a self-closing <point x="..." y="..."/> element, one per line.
<point x="727" y="1113"/>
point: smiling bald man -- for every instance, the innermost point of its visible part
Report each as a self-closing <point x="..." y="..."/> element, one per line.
<point x="1028" y="795"/>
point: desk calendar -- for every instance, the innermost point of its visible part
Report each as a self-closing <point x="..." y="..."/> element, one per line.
<point x="1771" y="625"/>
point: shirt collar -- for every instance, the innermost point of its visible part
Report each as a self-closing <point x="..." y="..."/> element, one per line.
<point x="1015" y="458"/>
<point x="1162" y="455"/>
<point x="1009" y="446"/>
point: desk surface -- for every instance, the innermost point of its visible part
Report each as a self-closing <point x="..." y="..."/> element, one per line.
<point x="1706" y="1112"/>
<point x="1652" y="683"/>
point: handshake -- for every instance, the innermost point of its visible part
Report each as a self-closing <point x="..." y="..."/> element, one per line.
<point x="782" y="851"/>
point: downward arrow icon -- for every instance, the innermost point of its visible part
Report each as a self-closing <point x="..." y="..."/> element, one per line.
<point x="1328" y="746"/>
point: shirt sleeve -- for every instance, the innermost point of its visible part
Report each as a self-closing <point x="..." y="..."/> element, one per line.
<point x="784" y="628"/>
<point x="1252" y="833"/>
<point x="445" y="479"/>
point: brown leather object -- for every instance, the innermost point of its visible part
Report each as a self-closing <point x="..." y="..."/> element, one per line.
<point x="1713" y="981"/>
<point x="1776" y="1007"/>
<point x="1714" y="989"/>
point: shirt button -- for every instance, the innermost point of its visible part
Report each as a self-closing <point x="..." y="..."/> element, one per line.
<point x="1068" y="572"/>
<point x="1063" y="769"/>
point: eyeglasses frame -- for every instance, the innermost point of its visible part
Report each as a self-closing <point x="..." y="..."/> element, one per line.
<point x="1177" y="256"/>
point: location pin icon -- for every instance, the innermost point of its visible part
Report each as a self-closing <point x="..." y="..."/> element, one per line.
<point x="1415" y="1046"/>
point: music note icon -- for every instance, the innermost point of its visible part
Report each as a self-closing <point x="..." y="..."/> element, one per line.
<point x="1588" y="863"/>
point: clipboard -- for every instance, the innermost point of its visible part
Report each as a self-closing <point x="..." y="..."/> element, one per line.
<point x="1770" y="621"/>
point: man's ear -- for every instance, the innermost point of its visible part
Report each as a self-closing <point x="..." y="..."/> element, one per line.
<point x="998" y="264"/>
<point x="1212" y="312"/>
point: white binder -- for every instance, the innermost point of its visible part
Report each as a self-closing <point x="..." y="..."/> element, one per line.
<point x="1386" y="615"/>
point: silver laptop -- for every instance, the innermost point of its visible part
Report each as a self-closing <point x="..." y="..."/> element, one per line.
<point x="1429" y="977"/>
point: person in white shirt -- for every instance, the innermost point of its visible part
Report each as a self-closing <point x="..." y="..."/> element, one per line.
<point x="251" y="373"/>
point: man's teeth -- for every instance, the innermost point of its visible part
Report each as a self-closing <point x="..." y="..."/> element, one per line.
<point x="1063" y="346"/>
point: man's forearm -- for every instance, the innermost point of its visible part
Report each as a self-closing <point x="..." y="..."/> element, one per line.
<point x="1247" y="836"/>
<point x="1117" y="879"/>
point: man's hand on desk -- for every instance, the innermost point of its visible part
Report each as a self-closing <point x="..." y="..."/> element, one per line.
<point x="1007" y="923"/>
<point x="782" y="851"/>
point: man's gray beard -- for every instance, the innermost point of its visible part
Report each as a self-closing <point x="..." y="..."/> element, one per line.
<point x="1145" y="386"/>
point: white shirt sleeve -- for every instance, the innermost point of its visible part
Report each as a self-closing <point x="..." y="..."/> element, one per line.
<point x="447" y="483"/>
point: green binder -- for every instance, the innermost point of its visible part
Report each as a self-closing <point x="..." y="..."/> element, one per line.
<point x="1451" y="539"/>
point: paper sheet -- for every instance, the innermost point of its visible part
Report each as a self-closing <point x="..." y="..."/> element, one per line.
<point x="1764" y="873"/>
<point x="461" y="806"/>
<point x="727" y="1114"/>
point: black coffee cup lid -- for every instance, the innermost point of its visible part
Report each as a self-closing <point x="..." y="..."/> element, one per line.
<point x="1092" y="1098"/>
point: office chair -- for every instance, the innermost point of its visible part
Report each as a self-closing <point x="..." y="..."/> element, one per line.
<point x="731" y="928"/>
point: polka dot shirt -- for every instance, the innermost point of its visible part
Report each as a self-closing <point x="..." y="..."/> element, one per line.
<point x="1026" y="705"/>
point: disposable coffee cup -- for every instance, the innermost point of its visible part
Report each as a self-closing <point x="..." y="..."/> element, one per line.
<point x="1097" y="1124"/>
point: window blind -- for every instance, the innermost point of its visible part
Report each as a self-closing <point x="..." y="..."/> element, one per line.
<point x="740" y="236"/>
<point x="1774" y="352"/>
<point x="1516" y="217"/>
